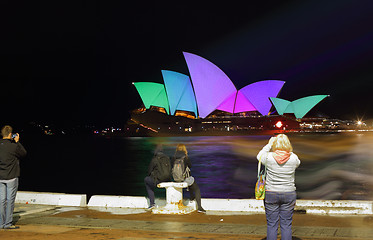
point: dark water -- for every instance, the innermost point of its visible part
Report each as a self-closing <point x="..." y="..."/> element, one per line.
<point x="333" y="166"/>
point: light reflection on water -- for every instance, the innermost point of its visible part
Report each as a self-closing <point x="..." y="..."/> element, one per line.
<point x="333" y="166"/>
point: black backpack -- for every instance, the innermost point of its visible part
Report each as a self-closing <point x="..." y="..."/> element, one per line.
<point x="162" y="171"/>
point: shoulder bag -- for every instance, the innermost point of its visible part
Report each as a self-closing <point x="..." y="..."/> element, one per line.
<point x="260" y="183"/>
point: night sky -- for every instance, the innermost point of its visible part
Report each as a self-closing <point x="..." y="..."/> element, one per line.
<point x="73" y="62"/>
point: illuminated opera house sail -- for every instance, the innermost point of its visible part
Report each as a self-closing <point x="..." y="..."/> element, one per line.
<point x="208" y="89"/>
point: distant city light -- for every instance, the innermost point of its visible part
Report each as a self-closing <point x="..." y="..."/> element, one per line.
<point x="279" y="124"/>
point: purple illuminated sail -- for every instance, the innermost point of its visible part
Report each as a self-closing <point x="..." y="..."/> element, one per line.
<point x="228" y="104"/>
<point x="211" y="85"/>
<point x="243" y="104"/>
<point x="259" y="93"/>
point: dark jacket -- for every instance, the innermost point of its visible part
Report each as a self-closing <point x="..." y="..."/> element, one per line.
<point x="10" y="153"/>
<point x="152" y="168"/>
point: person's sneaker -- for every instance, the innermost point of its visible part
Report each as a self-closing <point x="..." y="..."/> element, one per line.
<point x="150" y="207"/>
<point x="201" y="210"/>
<point x="12" y="227"/>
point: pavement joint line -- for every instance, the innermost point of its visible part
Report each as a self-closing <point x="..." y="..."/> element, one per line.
<point x="19" y="212"/>
<point x="153" y="226"/>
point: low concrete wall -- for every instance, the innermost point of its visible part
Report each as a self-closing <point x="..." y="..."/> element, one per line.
<point x="250" y="206"/>
<point x="128" y="202"/>
<point x="58" y="199"/>
<point x="233" y="205"/>
<point x="118" y="201"/>
<point x="335" y="207"/>
<point x="330" y="207"/>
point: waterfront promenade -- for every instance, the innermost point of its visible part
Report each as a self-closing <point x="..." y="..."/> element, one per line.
<point x="60" y="222"/>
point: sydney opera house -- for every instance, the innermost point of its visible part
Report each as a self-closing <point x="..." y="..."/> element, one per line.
<point x="207" y="100"/>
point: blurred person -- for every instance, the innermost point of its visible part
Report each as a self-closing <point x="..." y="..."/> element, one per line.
<point x="11" y="151"/>
<point x="195" y="193"/>
<point x="280" y="195"/>
<point x="159" y="170"/>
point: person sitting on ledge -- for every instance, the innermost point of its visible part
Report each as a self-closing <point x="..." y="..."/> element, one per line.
<point x="159" y="170"/>
<point x="195" y="193"/>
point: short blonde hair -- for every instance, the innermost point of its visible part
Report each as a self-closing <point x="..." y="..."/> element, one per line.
<point x="282" y="142"/>
<point x="182" y="148"/>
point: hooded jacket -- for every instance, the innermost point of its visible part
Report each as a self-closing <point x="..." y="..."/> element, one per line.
<point x="10" y="153"/>
<point x="281" y="171"/>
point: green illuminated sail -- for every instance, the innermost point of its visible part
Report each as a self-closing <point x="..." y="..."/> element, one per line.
<point x="303" y="105"/>
<point x="299" y="107"/>
<point x="280" y="104"/>
<point x="153" y="94"/>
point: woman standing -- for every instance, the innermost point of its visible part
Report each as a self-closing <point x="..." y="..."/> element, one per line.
<point x="195" y="193"/>
<point x="280" y="196"/>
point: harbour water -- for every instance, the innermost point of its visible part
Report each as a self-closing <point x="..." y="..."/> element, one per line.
<point x="333" y="166"/>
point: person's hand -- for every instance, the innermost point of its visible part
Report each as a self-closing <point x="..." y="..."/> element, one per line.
<point x="271" y="140"/>
<point x="16" y="139"/>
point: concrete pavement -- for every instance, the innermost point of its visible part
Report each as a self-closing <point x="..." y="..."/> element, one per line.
<point x="56" y="222"/>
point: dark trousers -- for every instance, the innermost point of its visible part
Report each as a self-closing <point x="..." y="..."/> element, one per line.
<point x="150" y="186"/>
<point x="195" y="194"/>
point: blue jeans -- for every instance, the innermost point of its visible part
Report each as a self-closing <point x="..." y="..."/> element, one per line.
<point x="8" y="192"/>
<point x="279" y="207"/>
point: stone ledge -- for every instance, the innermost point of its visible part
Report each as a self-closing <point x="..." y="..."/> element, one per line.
<point x="57" y="199"/>
<point x="249" y="206"/>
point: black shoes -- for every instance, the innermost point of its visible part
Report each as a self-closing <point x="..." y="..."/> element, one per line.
<point x="201" y="210"/>
<point x="150" y="208"/>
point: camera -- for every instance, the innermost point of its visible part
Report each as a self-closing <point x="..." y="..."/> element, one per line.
<point x="14" y="135"/>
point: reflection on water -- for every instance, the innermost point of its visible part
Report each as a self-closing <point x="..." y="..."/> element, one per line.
<point x="332" y="166"/>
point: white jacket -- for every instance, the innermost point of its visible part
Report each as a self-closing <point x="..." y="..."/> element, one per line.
<point x="279" y="178"/>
